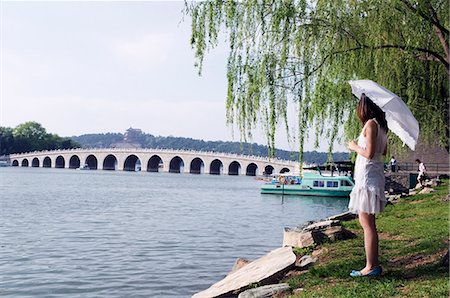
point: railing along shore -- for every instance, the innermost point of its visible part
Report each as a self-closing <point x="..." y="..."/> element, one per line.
<point x="434" y="168"/>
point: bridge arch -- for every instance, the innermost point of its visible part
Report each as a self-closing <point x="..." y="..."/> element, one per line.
<point x="132" y="163"/>
<point x="91" y="162"/>
<point x="74" y="162"/>
<point x="35" y="162"/>
<point x="110" y="163"/>
<point x="15" y="163"/>
<point x="252" y="169"/>
<point x="268" y="170"/>
<point x="154" y="164"/>
<point x="47" y="163"/>
<point x="216" y="167"/>
<point x="234" y="168"/>
<point x="60" y="162"/>
<point x="197" y="166"/>
<point x="284" y="170"/>
<point x="176" y="165"/>
<point x="25" y="163"/>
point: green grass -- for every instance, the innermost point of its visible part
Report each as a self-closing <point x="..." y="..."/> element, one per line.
<point x="303" y="251"/>
<point x="414" y="235"/>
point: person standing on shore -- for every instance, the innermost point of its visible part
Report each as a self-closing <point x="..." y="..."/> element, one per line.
<point x="422" y="171"/>
<point x="367" y="197"/>
<point x="393" y="164"/>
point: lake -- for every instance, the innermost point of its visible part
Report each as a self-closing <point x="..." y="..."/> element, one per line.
<point x="70" y="233"/>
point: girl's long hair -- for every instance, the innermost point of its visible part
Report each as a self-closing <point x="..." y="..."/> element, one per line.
<point x="367" y="110"/>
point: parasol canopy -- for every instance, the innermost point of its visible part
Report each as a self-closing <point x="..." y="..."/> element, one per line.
<point x="399" y="117"/>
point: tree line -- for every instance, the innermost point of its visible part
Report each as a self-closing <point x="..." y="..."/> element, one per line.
<point x="31" y="136"/>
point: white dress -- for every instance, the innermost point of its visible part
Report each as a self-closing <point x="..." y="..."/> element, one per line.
<point x="368" y="193"/>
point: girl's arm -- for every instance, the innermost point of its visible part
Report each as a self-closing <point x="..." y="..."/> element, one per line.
<point x="371" y="131"/>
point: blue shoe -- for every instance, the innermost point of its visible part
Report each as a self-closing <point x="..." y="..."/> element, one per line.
<point x="375" y="272"/>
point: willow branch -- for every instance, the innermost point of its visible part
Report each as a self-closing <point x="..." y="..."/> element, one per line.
<point x="429" y="55"/>
<point x="438" y="31"/>
<point x="433" y="21"/>
<point x="443" y="41"/>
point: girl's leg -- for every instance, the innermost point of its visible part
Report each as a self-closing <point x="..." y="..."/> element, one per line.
<point x="370" y="241"/>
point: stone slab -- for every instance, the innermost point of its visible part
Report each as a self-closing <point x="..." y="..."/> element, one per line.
<point x="265" y="291"/>
<point x="343" y="216"/>
<point x="305" y="262"/>
<point x="338" y="233"/>
<point x="321" y="225"/>
<point x="296" y="238"/>
<point x="264" y="268"/>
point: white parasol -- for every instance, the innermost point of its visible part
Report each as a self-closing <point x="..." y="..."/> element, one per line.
<point x="399" y="118"/>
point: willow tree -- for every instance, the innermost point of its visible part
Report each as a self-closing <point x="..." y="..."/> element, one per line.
<point x="303" y="52"/>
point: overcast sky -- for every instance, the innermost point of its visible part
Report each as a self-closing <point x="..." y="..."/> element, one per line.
<point x="91" y="67"/>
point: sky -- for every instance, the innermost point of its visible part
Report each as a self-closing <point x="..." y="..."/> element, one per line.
<point x="97" y="67"/>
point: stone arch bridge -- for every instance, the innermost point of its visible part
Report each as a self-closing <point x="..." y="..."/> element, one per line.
<point x="155" y="160"/>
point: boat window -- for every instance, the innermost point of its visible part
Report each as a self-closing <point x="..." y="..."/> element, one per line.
<point x="345" y="183"/>
<point x="319" y="183"/>
<point x="332" y="184"/>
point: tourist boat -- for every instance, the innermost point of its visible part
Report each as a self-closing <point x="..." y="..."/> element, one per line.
<point x="84" y="167"/>
<point x="311" y="184"/>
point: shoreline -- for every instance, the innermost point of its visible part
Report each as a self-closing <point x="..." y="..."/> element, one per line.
<point x="318" y="249"/>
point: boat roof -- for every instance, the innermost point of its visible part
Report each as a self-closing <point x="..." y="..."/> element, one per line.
<point x="316" y="175"/>
<point x="312" y="175"/>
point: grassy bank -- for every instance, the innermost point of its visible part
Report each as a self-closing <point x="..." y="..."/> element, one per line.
<point x="414" y="235"/>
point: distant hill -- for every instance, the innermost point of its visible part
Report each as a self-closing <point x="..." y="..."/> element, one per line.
<point x="135" y="138"/>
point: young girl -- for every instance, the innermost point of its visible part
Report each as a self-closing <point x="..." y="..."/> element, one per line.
<point x="367" y="197"/>
<point x="422" y="171"/>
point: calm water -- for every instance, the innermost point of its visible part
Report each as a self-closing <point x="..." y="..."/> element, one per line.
<point x="68" y="233"/>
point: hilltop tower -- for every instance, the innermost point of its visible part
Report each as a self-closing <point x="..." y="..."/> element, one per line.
<point x="130" y="139"/>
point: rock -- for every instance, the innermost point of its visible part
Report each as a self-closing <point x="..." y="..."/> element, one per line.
<point x="321" y="225"/>
<point x="305" y="262"/>
<point x="435" y="182"/>
<point x="395" y="184"/>
<point x="304" y="238"/>
<point x="301" y="238"/>
<point x="346" y="216"/>
<point x="264" y="270"/>
<point x="297" y="291"/>
<point x="338" y="233"/>
<point x="304" y="225"/>
<point x="393" y="198"/>
<point x="238" y="264"/>
<point x="265" y="291"/>
<point x="426" y="190"/>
